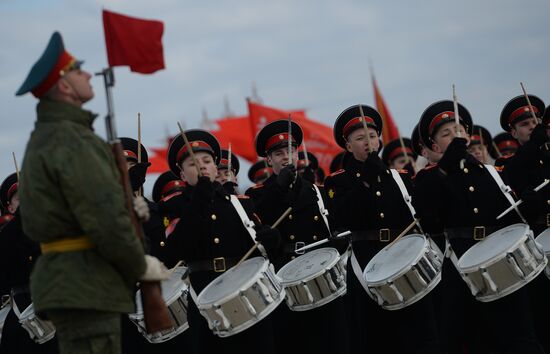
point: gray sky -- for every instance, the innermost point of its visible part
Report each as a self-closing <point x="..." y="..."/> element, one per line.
<point x="301" y="54"/>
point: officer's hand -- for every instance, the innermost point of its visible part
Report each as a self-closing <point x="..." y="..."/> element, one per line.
<point x="268" y="237"/>
<point x="308" y="174"/>
<point x="286" y="176"/>
<point x="141" y="208"/>
<point x="539" y="135"/>
<point x="155" y="270"/>
<point x="373" y="167"/>
<point x="204" y="187"/>
<point x="137" y="174"/>
<point x="456" y="151"/>
<point x="230" y="187"/>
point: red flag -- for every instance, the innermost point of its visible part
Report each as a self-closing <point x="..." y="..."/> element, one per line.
<point x="389" y="129"/>
<point x="134" y="42"/>
<point x="317" y="136"/>
<point x="158" y="160"/>
<point x="237" y="131"/>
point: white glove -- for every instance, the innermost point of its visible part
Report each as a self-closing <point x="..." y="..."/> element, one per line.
<point x="155" y="270"/>
<point x="141" y="208"/>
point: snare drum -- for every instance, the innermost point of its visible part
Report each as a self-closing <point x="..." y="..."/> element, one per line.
<point x="240" y="297"/>
<point x="502" y="263"/>
<point x="39" y="330"/>
<point x="544" y="241"/>
<point x="313" y="279"/>
<point x="404" y="272"/>
<point x="3" y="314"/>
<point x="174" y="292"/>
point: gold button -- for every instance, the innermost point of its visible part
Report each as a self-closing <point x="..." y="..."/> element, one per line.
<point x="378" y="193"/>
<point x="314" y="238"/>
<point x="541" y="162"/>
<point x="480" y="166"/>
<point x="358" y="174"/>
<point x="316" y="218"/>
<point x="381" y="215"/>
<point x="216" y="240"/>
<point x="471" y="188"/>
<point x="162" y="243"/>
<point x="466" y="170"/>
<point x="290" y="216"/>
<point x="476" y="210"/>
<point x="292" y="257"/>
<point x="30" y="258"/>
<point x="388" y="172"/>
<point x="548" y="202"/>
<point x="291" y="237"/>
<point x="213" y="217"/>
<point x="227" y="197"/>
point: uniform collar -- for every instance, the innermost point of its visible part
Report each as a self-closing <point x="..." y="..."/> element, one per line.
<point x="54" y="111"/>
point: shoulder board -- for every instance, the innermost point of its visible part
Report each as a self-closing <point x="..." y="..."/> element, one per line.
<point x="337" y="172"/>
<point x="499" y="168"/>
<point x="171" y="227"/>
<point x="259" y="185"/>
<point x="400" y="170"/>
<point x="242" y="196"/>
<point x="429" y="167"/>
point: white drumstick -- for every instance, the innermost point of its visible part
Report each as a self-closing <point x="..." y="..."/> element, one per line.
<point x="325" y="240"/>
<point x="516" y="204"/>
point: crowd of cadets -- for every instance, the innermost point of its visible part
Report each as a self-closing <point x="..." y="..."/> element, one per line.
<point x="193" y="219"/>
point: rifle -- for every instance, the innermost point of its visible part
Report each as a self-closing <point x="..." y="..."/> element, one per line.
<point x="155" y="312"/>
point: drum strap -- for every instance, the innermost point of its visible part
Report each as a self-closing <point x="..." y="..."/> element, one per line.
<point x="406" y="196"/>
<point x="506" y="190"/>
<point x="248" y="224"/>
<point x="357" y="271"/>
<point x="321" y="204"/>
<point x="15" y="308"/>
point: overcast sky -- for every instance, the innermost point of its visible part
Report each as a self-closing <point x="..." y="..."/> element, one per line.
<point x="301" y="54"/>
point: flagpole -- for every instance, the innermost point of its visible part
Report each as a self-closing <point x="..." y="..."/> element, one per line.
<point x="369" y="147"/>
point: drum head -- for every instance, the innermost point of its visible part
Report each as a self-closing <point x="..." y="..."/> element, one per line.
<point x="544" y="240"/>
<point x="232" y="281"/>
<point x="308" y="265"/>
<point x="391" y="260"/>
<point x="497" y="243"/>
<point x="171" y="288"/>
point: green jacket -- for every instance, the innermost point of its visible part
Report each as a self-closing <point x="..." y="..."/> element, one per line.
<point x="69" y="187"/>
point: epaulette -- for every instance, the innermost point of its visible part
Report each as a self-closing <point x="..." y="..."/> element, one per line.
<point x="499" y="168"/>
<point x="337" y="172"/>
<point x="259" y="185"/>
<point x="242" y="196"/>
<point x="171" y="227"/>
<point x="170" y="196"/>
<point x="429" y="167"/>
<point x="400" y="170"/>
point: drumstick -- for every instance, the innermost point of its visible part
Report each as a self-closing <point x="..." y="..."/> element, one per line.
<point x="290" y="140"/>
<point x="457" y="118"/>
<point x="499" y="154"/>
<point x="172" y="270"/>
<point x="281" y="218"/>
<point x="191" y="153"/>
<point x="140" y="190"/>
<point x="528" y="102"/>
<point x="405" y="231"/>
<point x="16" y="166"/>
<point x="229" y="165"/>
<point x="516" y="204"/>
<point x="369" y="147"/>
<point x="325" y="240"/>
<point x="305" y="153"/>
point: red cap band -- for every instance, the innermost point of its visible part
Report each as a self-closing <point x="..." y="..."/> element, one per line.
<point x="130" y="154"/>
<point x="263" y="172"/>
<point x="11" y="191"/>
<point x="519" y="112"/>
<point x="276" y="139"/>
<point x="170" y="186"/>
<point x="63" y="64"/>
<point x="438" y="118"/>
<point x="194" y="144"/>
<point x="352" y="122"/>
<point x="400" y="151"/>
<point x="506" y="144"/>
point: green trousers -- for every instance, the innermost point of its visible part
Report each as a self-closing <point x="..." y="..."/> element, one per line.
<point x="86" y="331"/>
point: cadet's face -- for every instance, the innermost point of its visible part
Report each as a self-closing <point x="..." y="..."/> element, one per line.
<point x="79" y="83"/>
<point x="14" y="203"/>
<point x="358" y="144"/>
<point x="479" y="151"/>
<point x="522" y="130"/>
<point x="188" y="171"/>
<point x="431" y="155"/>
<point x="224" y="176"/>
<point x="400" y="162"/>
<point x="446" y="133"/>
<point x="279" y="159"/>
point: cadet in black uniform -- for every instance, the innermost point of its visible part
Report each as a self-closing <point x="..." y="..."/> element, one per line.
<point x="481" y="144"/>
<point x="320" y="330"/>
<point x="458" y="196"/>
<point x="17" y="257"/>
<point x="505" y="146"/>
<point x="400" y="156"/>
<point x="210" y="238"/>
<point x="166" y="188"/>
<point x="307" y="168"/>
<point x="259" y="172"/>
<point x="526" y="169"/>
<point x="228" y="179"/>
<point x="366" y="200"/>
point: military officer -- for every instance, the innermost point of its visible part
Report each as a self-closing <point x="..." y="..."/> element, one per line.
<point x="460" y="197"/>
<point x="17" y="257"/>
<point x="306" y="223"/>
<point x="73" y="205"/>
<point x="526" y="169"/>
<point x="210" y="238"/>
<point x="366" y="181"/>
